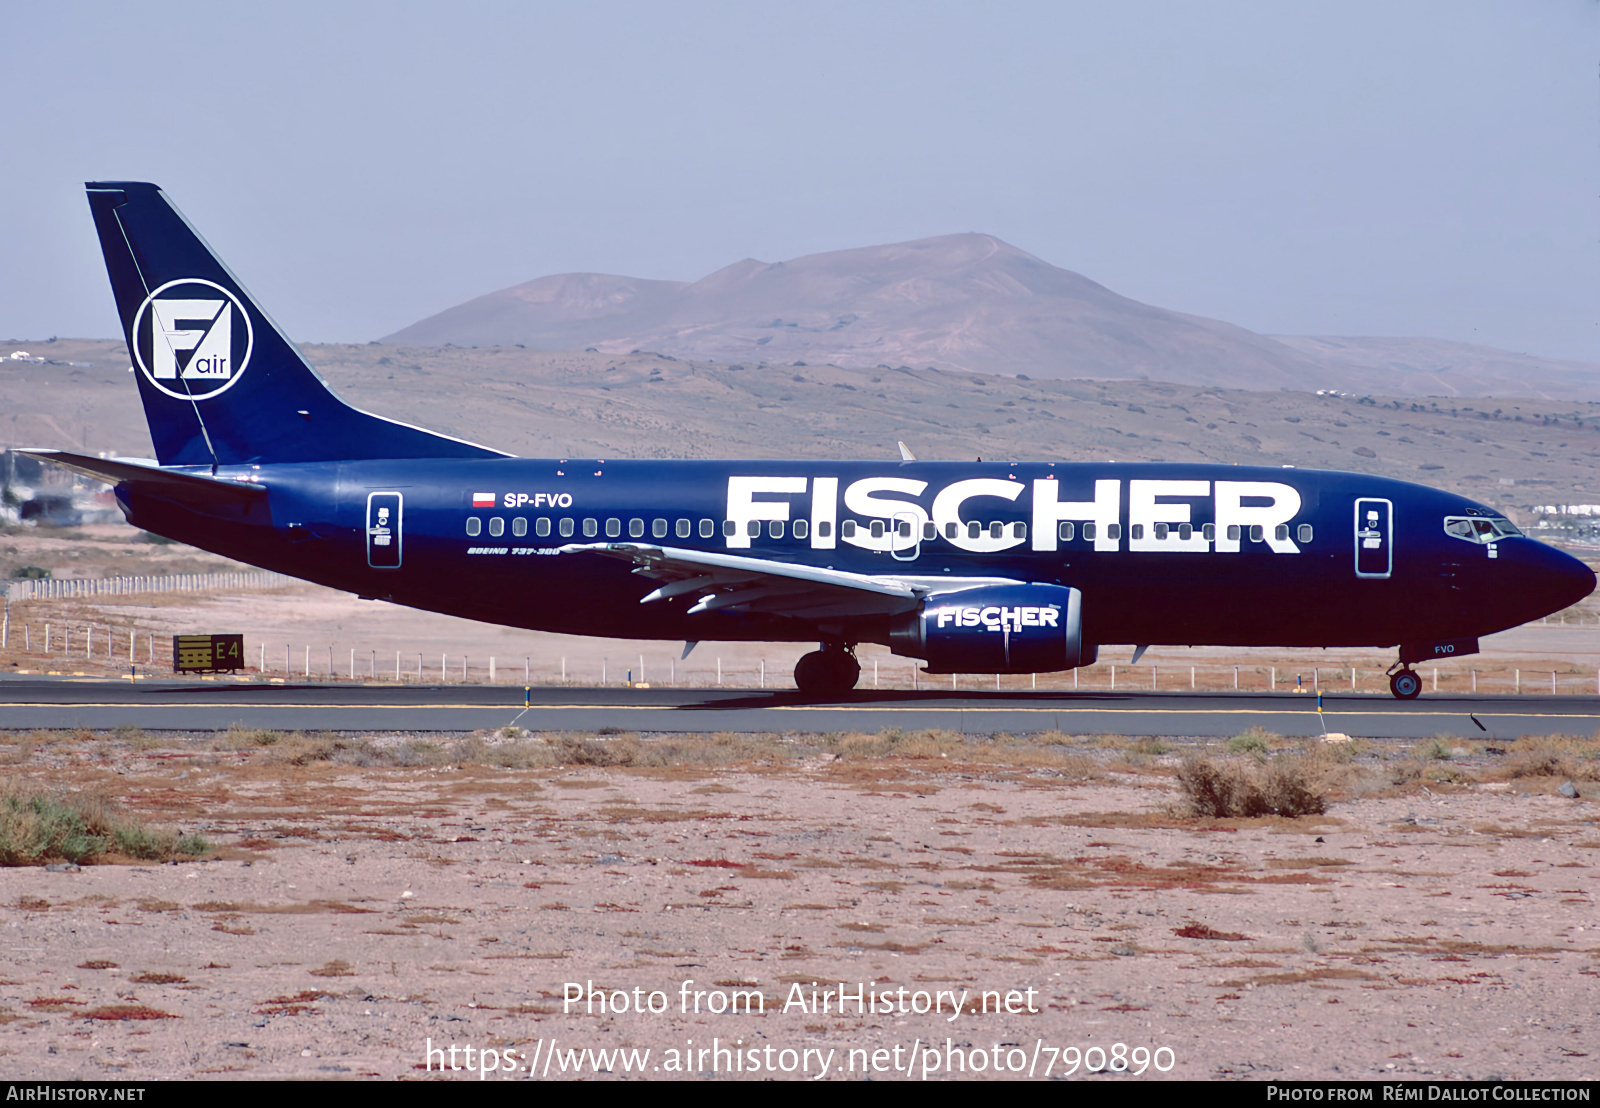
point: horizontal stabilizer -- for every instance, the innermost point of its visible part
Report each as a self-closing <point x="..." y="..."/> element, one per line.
<point x="187" y="488"/>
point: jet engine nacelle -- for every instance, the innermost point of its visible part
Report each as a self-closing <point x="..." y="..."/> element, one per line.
<point x="997" y="629"/>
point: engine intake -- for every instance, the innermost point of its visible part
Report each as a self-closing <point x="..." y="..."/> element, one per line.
<point x="996" y="629"/>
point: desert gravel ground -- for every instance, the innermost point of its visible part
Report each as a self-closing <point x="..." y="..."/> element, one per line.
<point x="1436" y="924"/>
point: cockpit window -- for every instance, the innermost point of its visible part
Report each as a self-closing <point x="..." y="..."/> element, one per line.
<point x="1479" y="529"/>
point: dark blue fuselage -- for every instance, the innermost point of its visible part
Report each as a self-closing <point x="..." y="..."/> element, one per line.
<point x="1421" y="585"/>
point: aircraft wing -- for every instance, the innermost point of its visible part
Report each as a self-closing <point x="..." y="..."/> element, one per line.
<point x="778" y="588"/>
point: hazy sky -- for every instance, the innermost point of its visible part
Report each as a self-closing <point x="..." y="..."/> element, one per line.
<point x="1348" y="167"/>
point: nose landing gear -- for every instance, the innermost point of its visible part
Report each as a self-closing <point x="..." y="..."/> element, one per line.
<point x="831" y="671"/>
<point x="1404" y="682"/>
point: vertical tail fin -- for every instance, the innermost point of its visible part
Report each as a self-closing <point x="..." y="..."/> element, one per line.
<point x="221" y="384"/>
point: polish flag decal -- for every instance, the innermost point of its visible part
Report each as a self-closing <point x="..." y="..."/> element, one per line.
<point x="483" y="500"/>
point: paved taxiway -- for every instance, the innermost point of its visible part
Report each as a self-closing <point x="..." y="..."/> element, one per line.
<point x="155" y="705"/>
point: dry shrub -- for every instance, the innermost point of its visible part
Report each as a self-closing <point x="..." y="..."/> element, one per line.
<point x="1553" y="756"/>
<point x="893" y="743"/>
<point x="41" y="827"/>
<point x="1283" y="786"/>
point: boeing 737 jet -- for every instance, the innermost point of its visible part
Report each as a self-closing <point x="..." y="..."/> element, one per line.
<point x="1017" y="567"/>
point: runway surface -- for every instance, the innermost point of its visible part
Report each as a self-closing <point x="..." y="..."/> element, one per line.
<point x="155" y="705"/>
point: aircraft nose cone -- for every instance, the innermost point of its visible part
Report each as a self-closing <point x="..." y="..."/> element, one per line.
<point x="1561" y="580"/>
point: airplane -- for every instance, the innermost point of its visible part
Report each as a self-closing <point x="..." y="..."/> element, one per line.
<point x="998" y="567"/>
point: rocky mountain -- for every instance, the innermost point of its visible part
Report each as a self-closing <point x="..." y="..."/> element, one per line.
<point x="968" y="303"/>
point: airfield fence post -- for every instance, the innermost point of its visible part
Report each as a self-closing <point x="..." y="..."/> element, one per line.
<point x="603" y="670"/>
<point x="330" y="661"/>
<point x="132" y="645"/>
<point x="463" y="669"/>
<point x="563" y="669"/>
<point x="374" y="666"/>
<point x="47" y="638"/>
<point x="1475" y="680"/>
<point x="874" y="673"/>
<point x="1113" y="677"/>
<point x="641" y="669"/>
<point x="914" y="677"/>
<point x="719" y="669"/>
<point x="5" y="624"/>
<point x="1191" y="679"/>
<point x="27" y="637"/>
<point x="443" y="658"/>
<point x="352" y="663"/>
<point x="150" y="642"/>
<point x="1274" y="679"/>
<point x="419" y="667"/>
<point x="1517" y="678"/>
<point x="308" y="660"/>
<point x="491" y="669"/>
<point x="286" y="670"/>
<point x="88" y="643"/>
<point x="952" y="682"/>
<point x="397" y="666"/>
<point x="997" y="682"/>
<point x="1435" y="678"/>
<point x="1552" y="682"/>
<point x="1235" y="678"/>
<point x="1153" y="671"/>
<point x="1035" y="679"/>
<point x="1074" y="679"/>
<point x="672" y="670"/>
<point x="763" y="673"/>
<point x="262" y="666"/>
<point x="526" y="671"/>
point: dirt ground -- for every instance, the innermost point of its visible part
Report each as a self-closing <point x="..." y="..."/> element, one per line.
<point x="367" y="901"/>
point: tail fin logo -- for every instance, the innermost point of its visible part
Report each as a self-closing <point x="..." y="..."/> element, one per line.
<point x="192" y="339"/>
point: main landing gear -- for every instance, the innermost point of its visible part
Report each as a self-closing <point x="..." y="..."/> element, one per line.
<point x="1404" y="682"/>
<point x="831" y="671"/>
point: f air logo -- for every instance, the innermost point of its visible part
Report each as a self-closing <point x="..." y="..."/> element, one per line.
<point x="192" y="339"/>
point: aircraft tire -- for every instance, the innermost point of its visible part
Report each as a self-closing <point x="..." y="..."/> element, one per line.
<point x="1405" y="685"/>
<point x="824" y="673"/>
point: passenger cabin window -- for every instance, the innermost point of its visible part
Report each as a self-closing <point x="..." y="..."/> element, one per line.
<point x="1089" y="531"/>
<point x="929" y="531"/>
<point x="729" y="528"/>
<point x="824" y="529"/>
<point x="775" y="529"/>
<point x="1064" y="532"/>
<point x="1185" y="530"/>
<point x="1209" y="532"/>
<point x="1256" y="534"/>
<point x="497" y="527"/>
<point x="1281" y="531"/>
<point x="1233" y="532"/>
<point x="684" y="528"/>
<point x="951" y="529"/>
<point x="1113" y="532"/>
<point x="591" y="528"/>
<point x="801" y="528"/>
<point x="1305" y="532"/>
<point x="847" y="529"/>
<point x="974" y="529"/>
<point x="903" y="528"/>
<point x="519" y="527"/>
<point x="877" y="529"/>
<point x="613" y="528"/>
<point x="474" y="526"/>
<point x="708" y="528"/>
<point x="1019" y="530"/>
<point x="566" y="528"/>
<point x="1136" y="531"/>
<point x="636" y="528"/>
<point x="658" y="529"/>
<point x="752" y="527"/>
<point x="541" y="527"/>
<point x="996" y="529"/>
